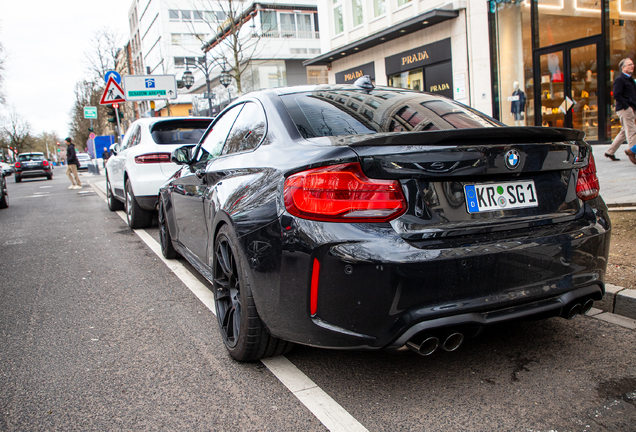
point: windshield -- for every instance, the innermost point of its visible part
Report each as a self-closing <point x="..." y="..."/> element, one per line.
<point x="179" y="131"/>
<point x="326" y="112"/>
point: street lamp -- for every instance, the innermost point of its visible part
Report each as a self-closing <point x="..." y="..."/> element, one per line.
<point x="188" y="78"/>
<point x="226" y="79"/>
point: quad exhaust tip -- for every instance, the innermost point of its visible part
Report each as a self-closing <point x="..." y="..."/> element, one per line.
<point x="587" y="306"/>
<point x="574" y="311"/>
<point x="428" y="344"/>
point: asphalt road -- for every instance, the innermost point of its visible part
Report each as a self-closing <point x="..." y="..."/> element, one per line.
<point x="96" y="332"/>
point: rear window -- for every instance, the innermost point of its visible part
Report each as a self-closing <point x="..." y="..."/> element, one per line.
<point x="83" y="156"/>
<point x="30" y="157"/>
<point x="179" y="131"/>
<point x="336" y="112"/>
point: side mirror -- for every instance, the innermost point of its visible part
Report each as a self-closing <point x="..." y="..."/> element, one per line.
<point x="113" y="149"/>
<point x="181" y="156"/>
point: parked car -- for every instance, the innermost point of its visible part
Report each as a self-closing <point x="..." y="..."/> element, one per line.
<point x="139" y="166"/>
<point x="7" y="168"/>
<point x="4" y="193"/>
<point x="32" y="164"/>
<point x="354" y="217"/>
<point x="84" y="160"/>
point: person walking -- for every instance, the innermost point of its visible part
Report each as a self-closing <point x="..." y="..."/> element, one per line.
<point x="71" y="165"/>
<point x="624" y="91"/>
<point x="105" y="156"/>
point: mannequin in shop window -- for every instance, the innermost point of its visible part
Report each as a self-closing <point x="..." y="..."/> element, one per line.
<point x="518" y="105"/>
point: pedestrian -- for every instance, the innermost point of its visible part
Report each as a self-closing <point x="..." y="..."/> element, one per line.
<point x="105" y="156"/>
<point x="72" y="164"/>
<point x="625" y="95"/>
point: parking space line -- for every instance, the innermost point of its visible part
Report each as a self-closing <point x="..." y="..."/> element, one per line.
<point x="333" y="416"/>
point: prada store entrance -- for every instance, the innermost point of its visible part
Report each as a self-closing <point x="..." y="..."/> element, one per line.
<point x="568" y="90"/>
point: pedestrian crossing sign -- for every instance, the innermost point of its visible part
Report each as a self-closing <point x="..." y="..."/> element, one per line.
<point x="113" y="93"/>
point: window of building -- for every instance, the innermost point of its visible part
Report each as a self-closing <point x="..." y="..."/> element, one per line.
<point x="176" y="39"/>
<point x="268" y="21"/>
<point x="379" y="8"/>
<point x="338" y="22"/>
<point x="197" y="15"/>
<point x="403" y="2"/>
<point x="356" y="9"/>
<point x="174" y="15"/>
<point x="317" y="75"/>
<point x="186" y="15"/>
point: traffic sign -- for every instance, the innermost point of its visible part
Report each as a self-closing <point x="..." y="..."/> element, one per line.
<point x="150" y="87"/>
<point x="90" y="112"/>
<point x="91" y="135"/>
<point x="113" y="74"/>
<point x="113" y="93"/>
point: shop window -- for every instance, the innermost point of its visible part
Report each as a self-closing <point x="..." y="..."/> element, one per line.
<point x="567" y="20"/>
<point x="513" y="51"/>
<point x="356" y="9"/>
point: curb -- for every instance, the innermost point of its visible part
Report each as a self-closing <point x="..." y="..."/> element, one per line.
<point x="619" y="301"/>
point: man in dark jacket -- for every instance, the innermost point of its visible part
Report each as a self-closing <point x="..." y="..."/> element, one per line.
<point x="625" y="95"/>
<point x="71" y="165"/>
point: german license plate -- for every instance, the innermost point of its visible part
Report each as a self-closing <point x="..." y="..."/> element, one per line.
<point x="487" y="197"/>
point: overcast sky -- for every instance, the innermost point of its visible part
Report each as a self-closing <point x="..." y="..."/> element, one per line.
<point x="45" y="42"/>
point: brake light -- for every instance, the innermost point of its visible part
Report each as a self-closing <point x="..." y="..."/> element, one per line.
<point x="17" y="165"/>
<point x="342" y="193"/>
<point x="152" y="158"/>
<point x="45" y="163"/>
<point x="587" y="185"/>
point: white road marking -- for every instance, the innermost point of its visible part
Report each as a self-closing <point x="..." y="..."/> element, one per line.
<point x="328" y="411"/>
<point x="44" y="187"/>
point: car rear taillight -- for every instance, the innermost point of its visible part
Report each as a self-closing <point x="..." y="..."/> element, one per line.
<point x="342" y="193"/>
<point x="152" y="158"/>
<point x="17" y="165"/>
<point x="587" y="185"/>
<point x="45" y="163"/>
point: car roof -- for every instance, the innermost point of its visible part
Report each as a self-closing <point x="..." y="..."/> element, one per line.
<point x="31" y="153"/>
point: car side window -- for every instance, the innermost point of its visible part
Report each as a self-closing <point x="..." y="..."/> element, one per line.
<point x="248" y="130"/>
<point x="128" y="140"/>
<point x="212" y="144"/>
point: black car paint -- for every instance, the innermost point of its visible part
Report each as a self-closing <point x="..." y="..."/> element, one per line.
<point x="411" y="262"/>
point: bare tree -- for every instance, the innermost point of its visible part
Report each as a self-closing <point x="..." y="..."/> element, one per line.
<point x="17" y="132"/>
<point x="3" y="59"/>
<point x="102" y="56"/>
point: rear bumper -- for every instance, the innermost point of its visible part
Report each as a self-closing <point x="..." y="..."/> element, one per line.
<point x="376" y="290"/>
<point x="34" y="173"/>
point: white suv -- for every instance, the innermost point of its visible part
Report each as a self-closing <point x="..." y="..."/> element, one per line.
<point x="140" y="165"/>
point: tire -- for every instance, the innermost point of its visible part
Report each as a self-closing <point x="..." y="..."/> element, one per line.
<point x="135" y="215"/>
<point x="49" y="177"/>
<point x="244" y="334"/>
<point x="4" y="201"/>
<point x="113" y="203"/>
<point x="18" y="179"/>
<point x="167" y="248"/>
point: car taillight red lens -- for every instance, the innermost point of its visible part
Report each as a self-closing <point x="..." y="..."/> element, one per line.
<point x="587" y="185"/>
<point x="17" y="164"/>
<point x="152" y="158"/>
<point x="45" y="163"/>
<point x="342" y="193"/>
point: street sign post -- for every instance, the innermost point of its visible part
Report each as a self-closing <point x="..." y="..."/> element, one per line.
<point x="149" y="87"/>
<point x="90" y="112"/>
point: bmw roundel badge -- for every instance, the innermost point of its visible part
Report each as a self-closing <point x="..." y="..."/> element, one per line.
<point x="512" y="159"/>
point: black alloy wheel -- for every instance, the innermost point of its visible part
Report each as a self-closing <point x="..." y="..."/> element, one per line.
<point x="167" y="249"/>
<point x="136" y="216"/>
<point x="244" y="334"/>
<point x="113" y="203"/>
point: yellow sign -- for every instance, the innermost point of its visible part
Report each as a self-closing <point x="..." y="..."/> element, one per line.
<point x="354" y="75"/>
<point x="414" y="58"/>
<point x="439" y="87"/>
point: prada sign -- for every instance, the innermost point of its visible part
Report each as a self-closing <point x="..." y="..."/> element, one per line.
<point x="419" y="57"/>
<point x="351" y="75"/>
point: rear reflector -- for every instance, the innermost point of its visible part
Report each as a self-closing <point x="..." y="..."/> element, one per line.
<point x="587" y="185"/>
<point x="342" y="193"/>
<point x="152" y="158"/>
<point x="313" y="298"/>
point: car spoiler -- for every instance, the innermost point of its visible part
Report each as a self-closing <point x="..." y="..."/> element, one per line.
<point x="489" y="135"/>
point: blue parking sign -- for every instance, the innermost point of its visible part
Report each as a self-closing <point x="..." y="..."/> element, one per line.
<point x="150" y="83"/>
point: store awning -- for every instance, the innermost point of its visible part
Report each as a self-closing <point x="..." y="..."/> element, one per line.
<point x="420" y="22"/>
